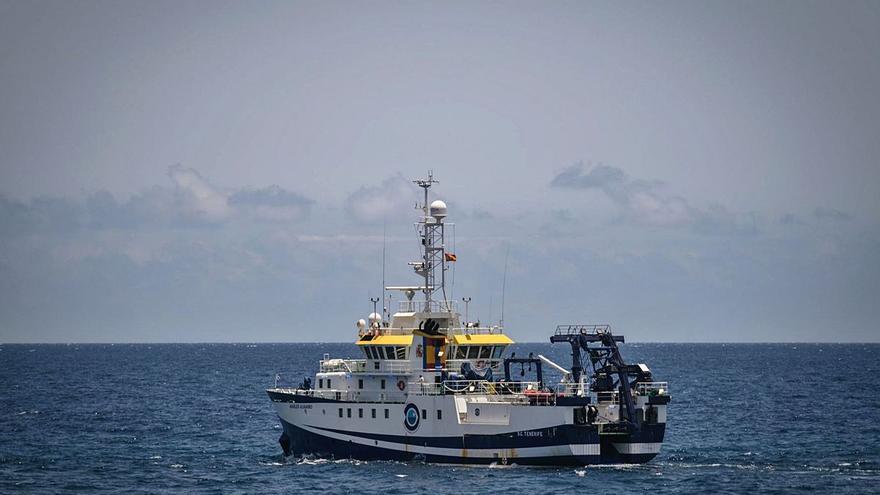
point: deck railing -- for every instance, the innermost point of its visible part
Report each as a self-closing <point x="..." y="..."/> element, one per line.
<point x="472" y="387"/>
<point x="582" y="329"/>
<point x="386" y="366"/>
<point x="652" y="388"/>
<point x="571" y="389"/>
<point x="427" y="306"/>
<point x="448" y="331"/>
<point x="608" y="397"/>
<point x="372" y="396"/>
<point x="454" y="365"/>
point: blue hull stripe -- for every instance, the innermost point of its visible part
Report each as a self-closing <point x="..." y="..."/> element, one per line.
<point x="303" y="442"/>
<point x="298" y="441"/>
<point x="559" y="435"/>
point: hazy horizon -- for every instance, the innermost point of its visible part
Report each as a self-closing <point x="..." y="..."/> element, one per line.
<point x="352" y="342"/>
<point x="184" y="171"/>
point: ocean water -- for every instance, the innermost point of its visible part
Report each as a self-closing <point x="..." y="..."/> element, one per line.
<point x="757" y="418"/>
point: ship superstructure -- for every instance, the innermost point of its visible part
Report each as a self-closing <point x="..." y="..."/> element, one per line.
<point x="435" y="387"/>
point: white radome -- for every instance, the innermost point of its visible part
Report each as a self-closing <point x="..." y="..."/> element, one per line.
<point x="375" y="318"/>
<point x="361" y="324"/>
<point x="438" y="209"/>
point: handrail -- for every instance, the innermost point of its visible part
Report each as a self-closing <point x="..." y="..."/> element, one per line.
<point x="448" y="331"/>
<point x="355" y="366"/>
<point x="652" y="388"/>
<point x="582" y="329"/>
<point x="608" y="397"/>
<point x="427" y="306"/>
<point x="365" y="396"/>
<point x="472" y="387"/>
<point x="570" y="389"/>
<point x="454" y="365"/>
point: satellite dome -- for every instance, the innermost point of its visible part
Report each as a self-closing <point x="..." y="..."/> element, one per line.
<point x="375" y="317"/>
<point x="361" y="324"/>
<point x="438" y="209"/>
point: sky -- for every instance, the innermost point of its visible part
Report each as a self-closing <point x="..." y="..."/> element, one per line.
<point x="230" y="171"/>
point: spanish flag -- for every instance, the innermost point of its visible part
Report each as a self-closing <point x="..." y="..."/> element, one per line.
<point x="450" y="257"/>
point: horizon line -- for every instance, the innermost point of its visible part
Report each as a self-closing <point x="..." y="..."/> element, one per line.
<point x="353" y="343"/>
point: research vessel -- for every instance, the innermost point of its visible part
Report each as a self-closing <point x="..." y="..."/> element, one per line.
<point x="435" y="387"/>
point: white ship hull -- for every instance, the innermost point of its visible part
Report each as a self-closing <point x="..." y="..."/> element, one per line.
<point x="502" y="433"/>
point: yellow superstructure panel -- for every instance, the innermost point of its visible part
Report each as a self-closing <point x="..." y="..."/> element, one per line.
<point x="388" y="340"/>
<point x="491" y="339"/>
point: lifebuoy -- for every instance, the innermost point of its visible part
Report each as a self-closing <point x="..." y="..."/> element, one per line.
<point x="401" y="385"/>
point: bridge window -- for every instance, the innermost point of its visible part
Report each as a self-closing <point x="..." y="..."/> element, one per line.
<point x="401" y="353"/>
<point x="497" y="351"/>
<point x="485" y="352"/>
<point x="473" y="351"/>
<point x="389" y="352"/>
<point x="380" y="354"/>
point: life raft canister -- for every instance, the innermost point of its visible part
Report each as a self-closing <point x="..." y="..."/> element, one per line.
<point x="401" y="385"/>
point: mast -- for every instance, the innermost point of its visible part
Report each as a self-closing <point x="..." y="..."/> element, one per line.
<point x="432" y="236"/>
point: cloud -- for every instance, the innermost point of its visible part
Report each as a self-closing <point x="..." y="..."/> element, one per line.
<point x="639" y="200"/>
<point x="790" y="219"/>
<point x="600" y="177"/>
<point x="393" y="198"/>
<point x="831" y="214"/>
<point x="716" y="219"/>
<point x="39" y="215"/>
<point x="645" y="203"/>
<point x="196" y="196"/>
<point x="101" y="264"/>
<point x="271" y="203"/>
<point x="192" y="202"/>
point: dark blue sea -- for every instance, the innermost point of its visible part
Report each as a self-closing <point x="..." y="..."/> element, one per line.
<point x="749" y="418"/>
